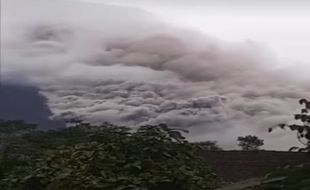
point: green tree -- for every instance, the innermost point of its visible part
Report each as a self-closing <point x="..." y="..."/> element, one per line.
<point x="250" y="143"/>
<point x="208" y="145"/>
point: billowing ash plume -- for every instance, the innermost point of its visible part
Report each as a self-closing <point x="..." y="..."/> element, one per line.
<point x="97" y="64"/>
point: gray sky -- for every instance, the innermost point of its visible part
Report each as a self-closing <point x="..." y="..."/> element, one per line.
<point x="284" y="26"/>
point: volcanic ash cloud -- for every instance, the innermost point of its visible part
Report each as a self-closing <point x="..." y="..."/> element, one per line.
<point x="137" y="71"/>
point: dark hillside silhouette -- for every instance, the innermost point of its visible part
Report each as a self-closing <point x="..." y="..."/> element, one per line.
<point x="241" y="165"/>
<point x="25" y="103"/>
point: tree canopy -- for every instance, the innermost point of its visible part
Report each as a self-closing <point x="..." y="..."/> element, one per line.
<point x="103" y="157"/>
<point x="250" y="143"/>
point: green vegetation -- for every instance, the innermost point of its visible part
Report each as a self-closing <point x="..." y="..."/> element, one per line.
<point x="294" y="177"/>
<point x="290" y="177"/>
<point x="302" y="127"/>
<point x="208" y="145"/>
<point x="250" y="143"/>
<point x="100" y="157"/>
<point x="109" y="157"/>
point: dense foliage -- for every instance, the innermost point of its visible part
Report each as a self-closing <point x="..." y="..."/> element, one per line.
<point x="100" y="157"/>
<point x="250" y="143"/>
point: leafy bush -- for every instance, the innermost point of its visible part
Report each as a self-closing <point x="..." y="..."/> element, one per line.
<point x="111" y="157"/>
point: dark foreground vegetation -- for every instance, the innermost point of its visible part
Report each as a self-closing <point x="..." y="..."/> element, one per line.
<point x="100" y="157"/>
<point x="109" y="157"/>
<point x="113" y="157"/>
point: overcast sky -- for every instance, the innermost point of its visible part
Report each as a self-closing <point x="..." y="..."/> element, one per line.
<point x="284" y="26"/>
<point x="220" y="69"/>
